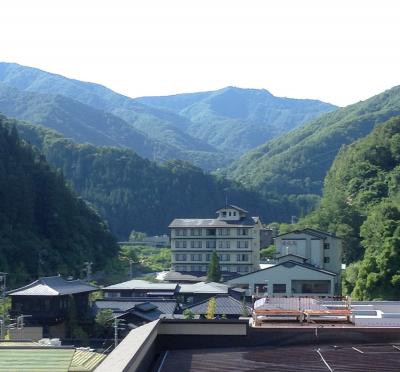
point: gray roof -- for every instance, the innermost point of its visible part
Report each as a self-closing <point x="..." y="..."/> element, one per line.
<point x="203" y="287"/>
<point x="146" y="308"/>
<point x="53" y="286"/>
<point x="210" y="222"/>
<point x="185" y="276"/>
<point x="224" y="305"/>
<point x="142" y="284"/>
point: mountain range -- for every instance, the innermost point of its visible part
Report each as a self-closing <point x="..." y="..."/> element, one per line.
<point x="208" y="129"/>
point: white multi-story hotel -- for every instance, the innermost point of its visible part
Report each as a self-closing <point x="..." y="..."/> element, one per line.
<point x="233" y="234"/>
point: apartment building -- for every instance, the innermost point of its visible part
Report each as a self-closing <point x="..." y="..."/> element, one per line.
<point x="233" y="234"/>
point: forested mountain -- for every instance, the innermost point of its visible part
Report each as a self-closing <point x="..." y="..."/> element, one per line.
<point x="237" y="120"/>
<point x="44" y="228"/>
<point x="160" y="130"/>
<point x="361" y="203"/>
<point x="208" y="127"/>
<point x="296" y="163"/>
<point x="85" y="124"/>
<point x="134" y="193"/>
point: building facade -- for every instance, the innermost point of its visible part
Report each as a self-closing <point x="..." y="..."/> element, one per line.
<point x="233" y="234"/>
<point x="320" y="249"/>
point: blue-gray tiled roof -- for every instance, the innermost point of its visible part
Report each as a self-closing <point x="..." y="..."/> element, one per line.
<point x="224" y="305"/>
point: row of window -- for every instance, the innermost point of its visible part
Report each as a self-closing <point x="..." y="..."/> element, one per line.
<point x="199" y="257"/>
<point x="203" y="268"/>
<point x="211" y="244"/>
<point x="224" y="231"/>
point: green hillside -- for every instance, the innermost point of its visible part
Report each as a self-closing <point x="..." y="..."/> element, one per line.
<point x="132" y="193"/>
<point x="296" y="163"/>
<point x="237" y="120"/>
<point x="361" y="202"/>
<point x="85" y="124"/>
<point x="44" y="228"/>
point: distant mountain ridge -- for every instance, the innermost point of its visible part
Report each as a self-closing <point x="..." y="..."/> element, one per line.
<point x="237" y="120"/>
<point x="209" y="128"/>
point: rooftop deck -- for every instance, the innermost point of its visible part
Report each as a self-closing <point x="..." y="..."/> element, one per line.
<point x="381" y="357"/>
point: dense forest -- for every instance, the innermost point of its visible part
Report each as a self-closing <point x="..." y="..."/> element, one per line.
<point x="133" y="193"/>
<point x="45" y="229"/>
<point x="297" y="163"/>
<point x="361" y="203"/>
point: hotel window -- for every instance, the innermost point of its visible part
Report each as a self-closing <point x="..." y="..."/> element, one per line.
<point x="180" y="244"/>
<point x="242" y="269"/>
<point x="196" y="244"/>
<point x="195" y="268"/>
<point x="195" y="232"/>
<point x="211" y="244"/>
<point x="242" y="244"/>
<point x="180" y="232"/>
<point x="279" y="288"/>
<point x="224" y="231"/>
<point x="211" y="232"/>
<point x="326" y="246"/>
<point x="208" y="257"/>
<point x="243" y="232"/>
<point x="180" y="257"/>
<point x="326" y="259"/>
<point x="196" y="257"/>
<point x="224" y="257"/>
<point x="224" y="244"/>
<point x="242" y="257"/>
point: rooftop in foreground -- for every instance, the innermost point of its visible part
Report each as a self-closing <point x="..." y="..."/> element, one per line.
<point x="378" y="357"/>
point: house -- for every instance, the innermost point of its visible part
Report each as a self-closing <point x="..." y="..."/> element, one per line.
<point x="140" y="288"/>
<point x="48" y="301"/>
<point x="225" y="306"/>
<point x="233" y="234"/>
<point x="194" y="293"/>
<point x="291" y="276"/>
<point x="137" y="311"/>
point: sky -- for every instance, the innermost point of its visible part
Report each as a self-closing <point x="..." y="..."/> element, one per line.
<point x="336" y="51"/>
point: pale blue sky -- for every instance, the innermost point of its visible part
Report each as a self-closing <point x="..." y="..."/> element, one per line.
<point x="337" y="51"/>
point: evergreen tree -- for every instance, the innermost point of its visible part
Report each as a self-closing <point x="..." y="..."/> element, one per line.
<point x="214" y="272"/>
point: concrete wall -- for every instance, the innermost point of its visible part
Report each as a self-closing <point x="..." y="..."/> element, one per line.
<point x="26" y="333"/>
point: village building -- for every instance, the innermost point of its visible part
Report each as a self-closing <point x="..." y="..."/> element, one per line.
<point x="48" y="301"/>
<point x="233" y="234"/>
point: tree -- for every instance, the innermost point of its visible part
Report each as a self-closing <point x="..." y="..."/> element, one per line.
<point x="245" y="311"/>
<point x="268" y="253"/>
<point x="211" y="307"/>
<point x="188" y="314"/>
<point x="214" y="273"/>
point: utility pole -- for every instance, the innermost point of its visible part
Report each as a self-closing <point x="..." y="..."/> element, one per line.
<point x="116" y="328"/>
<point x="130" y="268"/>
<point x="88" y="269"/>
<point x="3" y="281"/>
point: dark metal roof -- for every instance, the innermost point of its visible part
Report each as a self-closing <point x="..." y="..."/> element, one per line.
<point x="224" y="305"/>
<point x="150" y="307"/>
<point x="345" y="358"/>
<point x="53" y="286"/>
